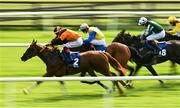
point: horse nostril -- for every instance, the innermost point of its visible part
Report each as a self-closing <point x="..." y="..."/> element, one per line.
<point x="23" y="58"/>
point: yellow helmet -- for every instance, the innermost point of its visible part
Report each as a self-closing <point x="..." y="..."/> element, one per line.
<point x="172" y="19"/>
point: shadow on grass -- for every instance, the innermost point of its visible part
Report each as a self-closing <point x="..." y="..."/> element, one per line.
<point x="74" y="97"/>
<point x="156" y="88"/>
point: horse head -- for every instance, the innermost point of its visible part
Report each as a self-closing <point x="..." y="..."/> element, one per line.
<point x="120" y="37"/>
<point x="123" y="38"/>
<point x="30" y="52"/>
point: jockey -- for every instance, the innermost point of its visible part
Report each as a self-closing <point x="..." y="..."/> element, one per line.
<point x="96" y="37"/>
<point x="174" y="22"/>
<point x="67" y="38"/>
<point x="153" y="31"/>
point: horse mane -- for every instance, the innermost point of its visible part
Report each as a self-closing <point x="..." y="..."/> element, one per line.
<point x="49" y="48"/>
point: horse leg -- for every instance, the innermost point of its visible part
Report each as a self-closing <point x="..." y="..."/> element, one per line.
<point x="154" y="73"/>
<point x="136" y="70"/>
<point x="87" y="82"/>
<point x="115" y="83"/>
<point x="173" y="68"/>
<point x="128" y="85"/>
<point x="92" y="73"/>
<point x="34" y="85"/>
<point x="131" y="69"/>
<point x="129" y="82"/>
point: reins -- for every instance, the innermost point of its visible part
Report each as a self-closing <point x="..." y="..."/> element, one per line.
<point x="42" y="49"/>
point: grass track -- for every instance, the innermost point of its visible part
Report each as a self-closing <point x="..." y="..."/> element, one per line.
<point x="146" y="94"/>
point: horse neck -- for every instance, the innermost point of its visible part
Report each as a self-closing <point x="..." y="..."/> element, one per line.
<point x="42" y="53"/>
<point x="135" y="42"/>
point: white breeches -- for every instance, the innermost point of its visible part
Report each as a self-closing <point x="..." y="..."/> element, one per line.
<point x="156" y="36"/>
<point x="73" y="44"/>
<point x="178" y="34"/>
<point x="98" y="42"/>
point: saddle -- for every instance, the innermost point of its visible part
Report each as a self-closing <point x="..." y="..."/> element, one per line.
<point x="162" y="45"/>
<point x="72" y="59"/>
<point x="158" y="48"/>
<point x="97" y="47"/>
<point x="100" y="47"/>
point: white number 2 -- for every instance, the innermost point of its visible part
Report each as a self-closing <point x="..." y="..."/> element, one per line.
<point x="76" y="62"/>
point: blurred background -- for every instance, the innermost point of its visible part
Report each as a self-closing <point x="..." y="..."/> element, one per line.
<point x="21" y="21"/>
<point x="105" y="21"/>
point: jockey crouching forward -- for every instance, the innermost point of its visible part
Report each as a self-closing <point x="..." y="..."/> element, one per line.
<point x="67" y="38"/>
<point x="153" y="31"/>
<point x="174" y="22"/>
<point x="96" y="37"/>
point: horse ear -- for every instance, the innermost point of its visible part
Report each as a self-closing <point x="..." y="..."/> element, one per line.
<point x="123" y="31"/>
<point x="32" y="42"/>
<point x="35" y="42"/>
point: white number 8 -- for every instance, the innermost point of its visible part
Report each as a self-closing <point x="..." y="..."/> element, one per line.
<point x="163" y="52"/>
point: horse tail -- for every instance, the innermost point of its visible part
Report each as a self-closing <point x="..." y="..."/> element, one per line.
<point x="135" y="54"/>
<point x="115" y="64"/>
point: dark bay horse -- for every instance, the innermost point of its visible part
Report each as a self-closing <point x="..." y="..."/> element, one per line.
<point x="172" y="52"/>
<point x="90" y="62"/>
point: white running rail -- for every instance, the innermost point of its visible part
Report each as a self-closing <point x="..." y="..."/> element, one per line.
<point x="25" y="79"/>
<point x="17" y="44"/>
<point x="90" y="12"/>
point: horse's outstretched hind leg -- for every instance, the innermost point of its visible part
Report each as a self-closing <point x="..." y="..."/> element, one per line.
<point x="34" y="85"/>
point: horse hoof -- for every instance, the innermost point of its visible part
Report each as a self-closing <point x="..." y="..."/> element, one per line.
<point x="110" y="91"/>
<point x="123" y="94"/>
<point x="129" y="85"/>
<point x="25" y="91"/>
<point x="163" y="85"/>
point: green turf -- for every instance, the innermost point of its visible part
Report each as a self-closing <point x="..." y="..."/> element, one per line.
<point x="146" y="94"/>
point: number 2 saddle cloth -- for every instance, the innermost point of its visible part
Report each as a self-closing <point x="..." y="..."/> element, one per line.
<point x="72" y="60"/>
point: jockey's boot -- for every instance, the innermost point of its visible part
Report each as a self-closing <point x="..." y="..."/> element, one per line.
<point x="155" y="46"/>
<point x="91" y="47"/>
<point x="68" y="55"/>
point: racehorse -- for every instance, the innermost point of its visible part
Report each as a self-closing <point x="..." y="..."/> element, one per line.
<point x="171" y="51"/>
<point x="90" y="62"/>
<point x="120" y="52"/>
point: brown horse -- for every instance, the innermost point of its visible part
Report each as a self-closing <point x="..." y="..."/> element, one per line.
<point x="120" y="52"/>
<point x="90" y="62"/>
